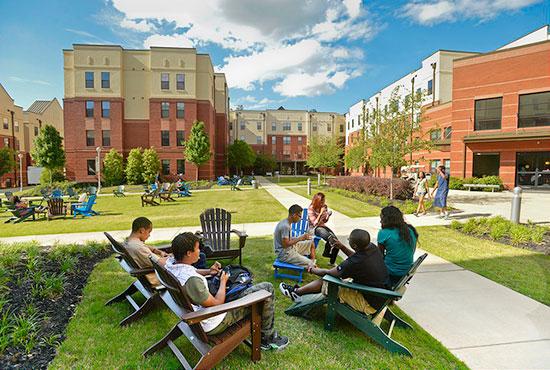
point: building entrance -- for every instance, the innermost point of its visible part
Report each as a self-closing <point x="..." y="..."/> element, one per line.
<point x="533" y="169"/>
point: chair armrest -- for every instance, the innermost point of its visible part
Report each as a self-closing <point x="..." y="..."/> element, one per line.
<point x="385" y="293"/>
<point x="246" y="301"/>
<point x="242" y="237"/>
<point x="141" y="272"/>
<point x="165" y="248"/>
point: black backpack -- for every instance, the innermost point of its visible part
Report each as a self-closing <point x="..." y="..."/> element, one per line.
<point x="240" y="278"/>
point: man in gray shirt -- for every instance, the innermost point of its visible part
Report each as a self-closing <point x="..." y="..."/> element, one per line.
<point x="293" y="250"/>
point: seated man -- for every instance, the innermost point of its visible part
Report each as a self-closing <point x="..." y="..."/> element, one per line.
<point x="365" y="265"/>
<point x="293" y="250"/>
<point x="186" y="251"/>
<point x="135" y="245"/>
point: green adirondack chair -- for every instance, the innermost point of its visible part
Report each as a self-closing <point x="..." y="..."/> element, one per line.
<point x="368" y="324"/>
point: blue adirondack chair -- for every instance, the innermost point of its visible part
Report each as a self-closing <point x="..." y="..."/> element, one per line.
<point x="223" y="181"/>
<point x="184" y="191"/>
<point x="296" y="229"/>
<point x="57" y="193"/>
<point x="86" y="208"/>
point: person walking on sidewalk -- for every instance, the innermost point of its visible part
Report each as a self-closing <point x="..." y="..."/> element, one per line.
<point x="421" y="191"/>
<point x="441" y="190"/>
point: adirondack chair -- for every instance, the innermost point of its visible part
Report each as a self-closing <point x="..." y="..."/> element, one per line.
<point x="184" y="191"/>
<point x="223" y="181"/>
<point x="149" y="198"/>
<point x="57" y="193"/>
<point x="119" y="192"/>
<point x="368" y="324"/>
<point x="72" y="194"/>
<point x="45" y="193"/>
<point x="86" y="209"/>
<point x="212" y="348"/>
<point x="166" y="195"/>
<point x="296" y="229"/>
<point x="56" y="208"/>
<point x="92" y="190"/>
<point x="235" y="183"/>
<point x="141" y="284"/>
<point x="21" y="214"/>
<point x="216" y="232"/>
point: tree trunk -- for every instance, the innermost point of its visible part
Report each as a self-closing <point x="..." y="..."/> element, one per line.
<point x="197" y="171"/>
<point x="391" y="185"/>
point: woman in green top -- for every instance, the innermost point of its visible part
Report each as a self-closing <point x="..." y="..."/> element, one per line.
<point x="397" y="240"/>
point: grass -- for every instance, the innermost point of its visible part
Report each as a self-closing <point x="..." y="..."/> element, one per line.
<point x="348" y="206"/>
<point x="293" y="180"/>
<point x="94" y="339"/>
<point x="118" y="213"/>
<point x="522" y="270"/>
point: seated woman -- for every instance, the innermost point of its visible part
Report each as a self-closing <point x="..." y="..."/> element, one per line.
<point x="397" y="240"/>
<point x="318" y="215"/>
<point x="23" y="207"/>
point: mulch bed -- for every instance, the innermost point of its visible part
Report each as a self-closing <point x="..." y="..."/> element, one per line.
<point x="54" y="313"/>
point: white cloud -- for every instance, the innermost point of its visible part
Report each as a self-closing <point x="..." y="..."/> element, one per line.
<point x="88" y="35"/>
<point x="180" y="41"/>
<point x="140" y="26"/>
<point x="26" y="80"/>
<point x="430" y="12"/>
<point x="311" y="84"/>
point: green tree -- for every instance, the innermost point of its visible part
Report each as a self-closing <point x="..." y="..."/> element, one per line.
<point x="151" y="165"/>
<point x="264" y="163"/>
<point x="324" y="153"/>
<point x="241" y="155"/>
<point x="197" y="147"/>
<point x="113" y="168"/>
<point x="134" y="167"/>
<point x="48" y="149"/>
<point x="7" y="160"/>
<point x="355" y="157"/>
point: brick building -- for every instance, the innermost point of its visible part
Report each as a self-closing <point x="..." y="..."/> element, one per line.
<point x="284" y="134"/>
<point x="124" y="99"/>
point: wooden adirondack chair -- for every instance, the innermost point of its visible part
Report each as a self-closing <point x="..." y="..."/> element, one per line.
<point x="86" y="209"/>
<point x="149" y="198"/>
<point x="212" y="348"/>
<point x="56" y="208"/>
<point x="141" y="284"/>
<point x="119" y="192"/>
<point x="21" y="214"/>
<point x="368" y="324"/>
<point x="216" y="232"/>
<point x="166" y="195"/>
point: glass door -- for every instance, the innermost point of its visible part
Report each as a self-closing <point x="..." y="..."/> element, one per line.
<point x="533" y="169"/>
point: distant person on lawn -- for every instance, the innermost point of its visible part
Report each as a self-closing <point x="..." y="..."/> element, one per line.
<point x="422" y="191"/>
<point x="397" y="240"/>
<point x="365" y="265"/>
<point x="186" y="252"/>
<point x="135" y="245"/>
<point x="293" y="250"/>
<point x="442" y="188"/>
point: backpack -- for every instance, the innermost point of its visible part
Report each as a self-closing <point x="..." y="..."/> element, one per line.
<point x="240" y="278"/>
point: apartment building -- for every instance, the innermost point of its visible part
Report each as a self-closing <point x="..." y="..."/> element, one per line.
<point x="283" y="133"/>
<point x="124" y="99"/>
<point x="20" y="127"/>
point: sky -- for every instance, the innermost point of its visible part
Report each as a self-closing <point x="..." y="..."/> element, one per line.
<point x="300" y="54"/>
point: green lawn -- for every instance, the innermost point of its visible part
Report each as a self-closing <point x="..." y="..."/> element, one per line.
<point x="293" y="180"/>
<point x="348" y="206"/>
<point x="522" y="270"/>
<point x="118" y="213"/>
<point x="94" y="339"/>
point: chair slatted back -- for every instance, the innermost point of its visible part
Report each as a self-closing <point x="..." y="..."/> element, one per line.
<point x="121" y="189"/>
<point x="92" y="190"/>
<point x="216" y="228"/>
<point x="177" y="292"/>
<point x="301" y="227"/>
<point x="408" y="276"/>
<point x="90" y="203"/>
<point x="57" y="193"/>
<point x="121" y="251"/>
<point x="71" y="193"/>
<point x="55" y="206"/>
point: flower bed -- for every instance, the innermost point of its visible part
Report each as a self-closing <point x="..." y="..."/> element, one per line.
<point x="374" y="186"/>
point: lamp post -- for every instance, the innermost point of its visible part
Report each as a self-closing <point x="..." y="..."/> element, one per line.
<point x="98" y="168"/>
<point x="12" y="113"/>
<point x="20" y="156"/>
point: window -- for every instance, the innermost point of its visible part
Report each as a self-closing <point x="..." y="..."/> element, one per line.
<point x="447" y="164"/>
<point x="314" y="128"/>
<point x="534" y="110"/>
<point x="286" y="140"/>
<point x="435" y="135"/>
<point x="230" y="126"/>
<point x="273" y="126"/>
<point x="106" y="137"/>
<point x="447" y="132"/>
<point x="6" y="124"/>
<point x="6" y="141"/>
<point x="165" y="81"/>
<point x="258" y="125"/>
<point x="90" y="138"/>
<point x="89" y="76"/>
<point x="348" y="125"/>
<point x="329" y="127"/>
<point x="242" y="125"/>
<point x="358" y="120"/>
<point x="90" y="164"/>
<point x="341" y="128"/>
<point x="352" y="123"/>
<point x="165" y="138"/>
<point x="299" y="140"/>
<point x="181" y="166"/>
<point x="180" y="110"/>
<point x="488" y="113"/>
<point x="165" y="166"/>
<point x="430" y="87"/>
<point x="258" y="139"/>
<point x="299" y="126"/>
<point x="105" y="80"/>
<point x="273" y="140"/>
<point x="486" y="164"/>
<point x="434" y="165"/>
<point x="164" y="109"/>
<point x="286" y="126"/>
<point x="105" y="109"/>
<point x="36" y="131"/>
<point x="180" y="81"/>
<point x="180" y="137"/>
<point x="89" y="108"/>
<point x="16" y="126"/>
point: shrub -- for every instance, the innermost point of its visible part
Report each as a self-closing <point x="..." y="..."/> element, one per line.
<point x="455" y="225"/>
<point x="134" y="167"/>
<point x="373" y="186"/>
<point x="519" y="234"/>
<point x="56" y="175"/>
<point x="113" y="168"/>
<point x="151" y="165"/>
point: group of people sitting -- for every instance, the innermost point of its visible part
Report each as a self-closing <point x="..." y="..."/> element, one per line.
<point x="381" y="265"/>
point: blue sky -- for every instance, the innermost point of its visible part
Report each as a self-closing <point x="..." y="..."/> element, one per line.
<point x="302" y="54"/>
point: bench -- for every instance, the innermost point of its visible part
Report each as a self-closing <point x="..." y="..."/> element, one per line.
<point x="298" y="275"/>
<point x="482" y="186"/>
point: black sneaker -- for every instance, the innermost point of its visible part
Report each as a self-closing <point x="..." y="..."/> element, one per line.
<point x="276" y="342"/>
<point x="290" y="291"/>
